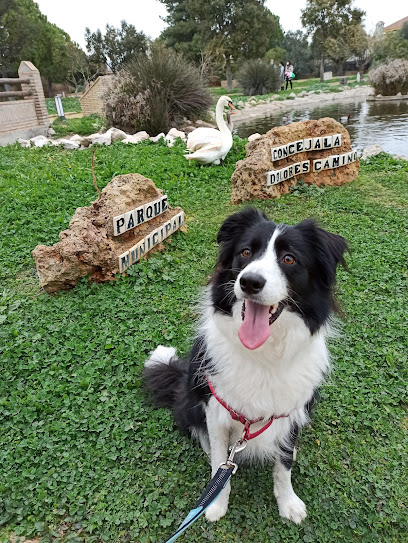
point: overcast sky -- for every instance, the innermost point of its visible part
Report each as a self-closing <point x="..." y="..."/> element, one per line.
<point x="74" y="15"/>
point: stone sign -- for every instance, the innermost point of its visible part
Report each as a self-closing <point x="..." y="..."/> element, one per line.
<point x="131" y="218"/>
<point x="316" y="152"/>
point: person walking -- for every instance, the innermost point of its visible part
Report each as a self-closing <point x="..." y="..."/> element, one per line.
<point x="282" y="74"/>
<point x="288" y="74"/>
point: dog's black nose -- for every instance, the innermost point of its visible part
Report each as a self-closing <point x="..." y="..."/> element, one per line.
<point x="252" y="283"/>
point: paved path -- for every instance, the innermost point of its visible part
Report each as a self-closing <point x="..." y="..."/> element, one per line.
<point x="251" y="112"/>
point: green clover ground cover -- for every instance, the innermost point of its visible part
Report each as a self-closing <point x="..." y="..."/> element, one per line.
<point x="83" y="456"/>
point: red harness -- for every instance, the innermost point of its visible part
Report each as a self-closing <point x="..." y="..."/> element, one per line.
<point x="243" y="420"/>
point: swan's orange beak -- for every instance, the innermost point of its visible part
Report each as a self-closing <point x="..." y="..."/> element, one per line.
<point x="231" y="105"/>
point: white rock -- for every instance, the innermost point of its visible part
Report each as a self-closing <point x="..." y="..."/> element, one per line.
<point x="116" y="134"/>
<point x="24" y="143"/>
<point x="253" y="137"/>
<point x="142" y="135"/>
<point x="67" y="144"/>
<point x="400" y="157"/>
<point x="303" y="93"/>
<point x="176" y="133"/>
<point x="371" y="150"/>
<point x="51" y="132"/>
<point x="155" y="139"/>
<point x="379" y="95"/>
<point x="292" y="95"/>
<point x="399" y="94"/>
<point x="130" y="139"/>
<point x="136" y="138"/>
<point x="170" y="140"/>
<point x="40" y="141"/>
<point x="100" y="139"/>
<point x="77" y="138"/>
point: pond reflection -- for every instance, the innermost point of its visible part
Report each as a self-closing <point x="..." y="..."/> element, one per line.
<point x="384" y="123"/>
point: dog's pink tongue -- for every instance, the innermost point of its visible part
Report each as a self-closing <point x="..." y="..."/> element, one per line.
<point x="254" y="330"/>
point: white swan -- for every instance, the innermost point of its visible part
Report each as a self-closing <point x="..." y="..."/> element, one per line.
<point x="208" y="145"/>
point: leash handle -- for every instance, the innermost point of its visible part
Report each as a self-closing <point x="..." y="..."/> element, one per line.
<point x="210" y="494"/>
<point x="214" y="488"/>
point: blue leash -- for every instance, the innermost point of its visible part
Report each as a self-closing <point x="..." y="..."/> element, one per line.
<point x="212" y="490"/>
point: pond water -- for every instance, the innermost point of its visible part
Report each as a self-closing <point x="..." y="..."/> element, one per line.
<point x="385" y="123"/>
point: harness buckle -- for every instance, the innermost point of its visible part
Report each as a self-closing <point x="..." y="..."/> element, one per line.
<point x="237" y="447"/>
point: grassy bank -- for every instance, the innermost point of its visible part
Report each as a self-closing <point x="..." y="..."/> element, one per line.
<point x="83" y="456"/>
<point x="307" y="85"/>
<point x="82" y="126"/>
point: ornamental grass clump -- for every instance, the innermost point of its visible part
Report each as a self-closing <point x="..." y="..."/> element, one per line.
<point x="155" y="92"/>
<point x="258" y="77"/>
<point x="390" y="78"/>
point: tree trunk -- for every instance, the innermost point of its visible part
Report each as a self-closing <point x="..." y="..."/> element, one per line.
<point x="50" y="91"/>
<point x="322" y="68"/>
<point x="228" y="73"/>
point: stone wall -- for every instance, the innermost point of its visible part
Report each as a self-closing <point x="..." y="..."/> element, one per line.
<point x="92" y="99"/>
<point x="28" y="116"/>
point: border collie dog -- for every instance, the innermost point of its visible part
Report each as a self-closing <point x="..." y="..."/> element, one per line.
<point x="260" y="351"/>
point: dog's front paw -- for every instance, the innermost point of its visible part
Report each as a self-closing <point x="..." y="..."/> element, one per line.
<point x="292" y="508"/>
<point x="216" y="510"/>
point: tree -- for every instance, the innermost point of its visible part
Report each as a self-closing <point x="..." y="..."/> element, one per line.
<point x="298" y="51"/>
<point x="404" y="31"/>
<point x="51" y="55"/>
<point x="276" y="54"/>
<point x="26" y="34"/>
<point x="18" y="29"/>
<point x="81" y="68"/>
<point x="326" y="20"/>
<point x="351" y="41"/>
<point x="237" y="28"/>
<point x="117" y="47"/>
<point x="391" y="45"/>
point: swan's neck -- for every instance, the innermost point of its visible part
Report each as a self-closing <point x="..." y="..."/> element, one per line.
<point x="219" y="117"/>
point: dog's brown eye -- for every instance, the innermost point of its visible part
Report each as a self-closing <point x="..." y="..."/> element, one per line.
<point x="289" y="259"/>
<point x="246" y="253"/>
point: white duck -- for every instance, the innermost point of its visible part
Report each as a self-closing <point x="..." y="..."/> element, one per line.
<point x="209" y="145"/>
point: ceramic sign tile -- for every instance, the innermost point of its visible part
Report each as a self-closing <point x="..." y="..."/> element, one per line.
<point x="135" y="217"/>
<point x="327" y="163"/>
<point x="135" y="253"/>
<point x="307" y="144"/>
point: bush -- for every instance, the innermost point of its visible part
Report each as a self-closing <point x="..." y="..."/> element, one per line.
<point x="258" y="77"/>
<point x="155" y="92"/>
<point x="390" y="78"/>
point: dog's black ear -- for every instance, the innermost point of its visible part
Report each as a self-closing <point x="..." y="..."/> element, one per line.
<point x="235" y="224"/>
<point x="328" y="248"/>
<point x="336" y="245"/>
